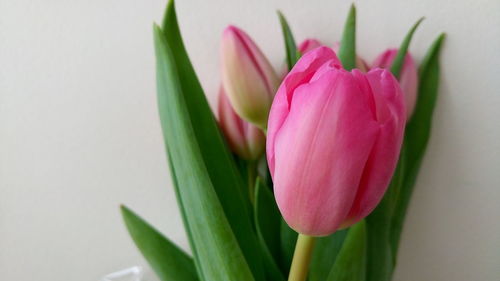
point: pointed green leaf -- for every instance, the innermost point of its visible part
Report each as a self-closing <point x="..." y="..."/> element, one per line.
<point x="218" y="252"/>
<point x="267" y="217"/>
<point x="350" y="263"/>
<point x="417" y="135"/>
<point x="217" y="158"/>
<point x="267" y="222"/>
<point x="243" y="167"/>
<point x="168" y="261"/>
<point x="418" y="128"/>
<point x="288" y="239"/>
<point x="292" y="54"/>
<point x="347" y="51"/>
<point x="325" y="253"/>
<point x="183" y="215"/>
<point x="398" y="62"/>
<point x="379" y="262"/>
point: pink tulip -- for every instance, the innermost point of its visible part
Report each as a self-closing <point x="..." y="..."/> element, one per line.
<point x="244" y="139"/>
<point x="308" y="45"/>
<point x="333" y="142"/>
<point x="247" y="76"/>
<point x="304" y="47"/>
<point x="360" y="63"/>
<point x="408" y="79"/>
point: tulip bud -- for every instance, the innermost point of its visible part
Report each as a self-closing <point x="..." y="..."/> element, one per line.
<point x="333" y="142"/>
<point x="360" y="63"/>
<point x="408" y="79"/>
<point x="308" y="45"/>
<point x="244" y="139"/>
<point x="247" y="77"/>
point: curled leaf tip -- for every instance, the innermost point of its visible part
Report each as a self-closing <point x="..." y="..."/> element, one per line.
<point x="403" y="49"/>
<point x="124" y="210"/>
<point x="292" y="54"/>
<point x="156" y="27"/>
<point x="280" y="15"/>
<point x="418" y="22"/>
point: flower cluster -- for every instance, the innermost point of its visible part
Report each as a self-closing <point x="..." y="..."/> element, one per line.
<point x="333" y="136"/>
<point x="330" y="146"/>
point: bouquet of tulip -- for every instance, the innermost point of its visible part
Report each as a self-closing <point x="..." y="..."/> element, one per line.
<point x="306" y="175"/>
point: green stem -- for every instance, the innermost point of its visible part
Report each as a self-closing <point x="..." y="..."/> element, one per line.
<point x="301" y="258"/>
<point x="251" y="174"/>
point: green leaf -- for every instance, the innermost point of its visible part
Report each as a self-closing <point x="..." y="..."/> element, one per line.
<point x="417" y="135"/>
<point x="287" y="245"/>
<point x="217" y="158"/>
<point x="398" y="62"/>
<point x="292" y="54"/>
<point x="219" y="256"/>
<point x="380" y="262"/>
<point x="267" y="218"/>
<point x="350" y="263"/>
<point x="267" y="222"/>
<point x="418" y="128"/>
<point x="325" y="253"/>
<point x="347" y="51"/>
<point x="183" y="215"/>
<point x="168" y="261"/>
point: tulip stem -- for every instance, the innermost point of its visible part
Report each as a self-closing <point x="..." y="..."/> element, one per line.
<point x="301" y="258"/>
<point x="251" y="174"/>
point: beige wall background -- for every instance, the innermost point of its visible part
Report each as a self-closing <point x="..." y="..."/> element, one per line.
<point x="79" y="132"/>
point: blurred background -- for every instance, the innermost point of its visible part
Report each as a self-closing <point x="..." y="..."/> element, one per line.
<point x="79" y="128"/>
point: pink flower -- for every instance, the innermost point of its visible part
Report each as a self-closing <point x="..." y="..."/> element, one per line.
<point x="408" y="78"/>
<point x="333" y="142"/>
<point x="304" y="47"/>
<point x="244" y="139"/>
<point x="308" y="45"/>
<point x="247" y="76"/>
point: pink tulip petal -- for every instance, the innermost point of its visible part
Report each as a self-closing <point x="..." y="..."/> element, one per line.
<point x="384" y="155"/>
<point x="255" y="140"/>
<point x="232" y="126"/>
<point x="309" y="45"/>
<point x="408" y="76"/>
<point x="302" y="72"/>
<point x="244" y="139"/>
<point x="321" y="150"/>
<point x="409" y="84"/>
